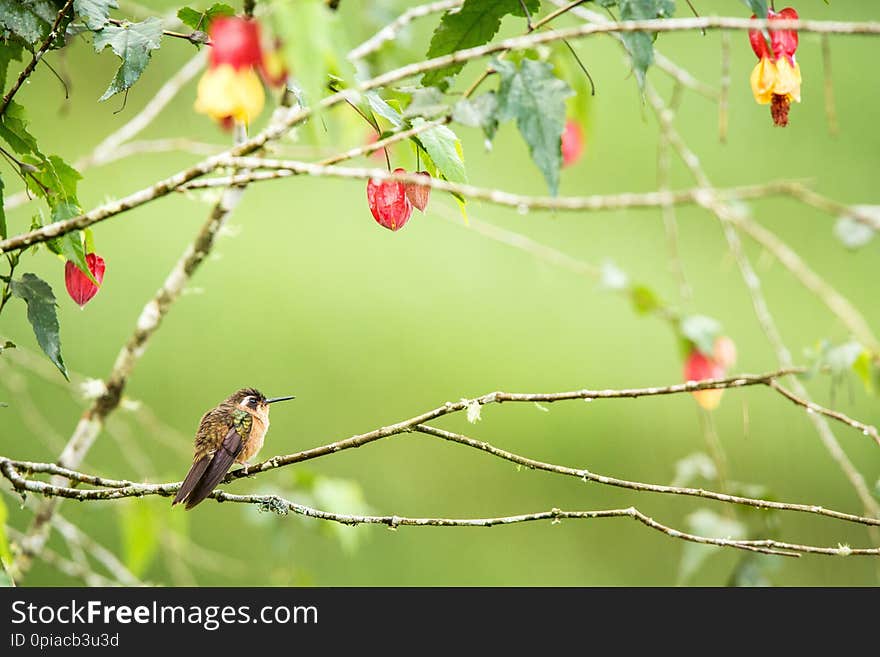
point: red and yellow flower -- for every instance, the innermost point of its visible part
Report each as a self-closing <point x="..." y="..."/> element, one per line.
<point x="231" y="90"/>
<point x="699" y="366"/>
<point x="776" y="79"/>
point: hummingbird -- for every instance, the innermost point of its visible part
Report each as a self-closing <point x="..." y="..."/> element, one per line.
<point x="231" y="431"/>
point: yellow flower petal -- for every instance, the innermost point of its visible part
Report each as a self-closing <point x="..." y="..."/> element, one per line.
<point x="708" y="399"/>
<point x="763" y="81"/>
<point x="788" y="81"/>
<point x="225" y="92"/>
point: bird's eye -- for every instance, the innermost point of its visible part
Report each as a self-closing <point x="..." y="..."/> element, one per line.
<point x="253" y="402"/>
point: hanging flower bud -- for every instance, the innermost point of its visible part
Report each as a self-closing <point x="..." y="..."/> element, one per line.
<point x="724" y="351"/>
<point x="388" y="202"/>
<point x="231" y="89"/>
<point x="698" y="367"/>
<point x="79" y="287"/>
<point x="273" y="69"/>
<point x="776" y="78"/>
<point x="418" y="195"/>
<point x="235" y="41"/>
<point x="572" y="142"/>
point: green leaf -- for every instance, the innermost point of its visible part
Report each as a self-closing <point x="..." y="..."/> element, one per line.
<point x="443" y="147"/>
<point x="841" y="359"/>
<point x="644" y="299"/>
<point x="640" y="45"/>
<point x="140" y="535"/>
<point x="711" y="525"/>
<point x="758" y="7"/>
<point x="536" y="99"/>
<point x="383" y="109"/>
<point x="9" y="50"/>
<point x="13" y="130"/>
<point x="31" y="21"/>
<point x="701" y="331"/>
<point x="862" y="367"/>
<point x="348" y="497"/>
<point x="473" y="25"/>
<point x="132" y="43"/>
<point x="94" y="12"/>
<point x="58" y="177"/>
<point x="41" y="313"/>
<point x="480" y="112"/>
<point x="201" y="20"/>
<point x="692" y="467"/>
<point x="753" y="570"/>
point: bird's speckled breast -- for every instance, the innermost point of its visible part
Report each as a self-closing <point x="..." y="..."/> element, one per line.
<point x="255" y="442"/>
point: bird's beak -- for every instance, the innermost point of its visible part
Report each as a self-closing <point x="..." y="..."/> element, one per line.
<point x="276" y="399"/>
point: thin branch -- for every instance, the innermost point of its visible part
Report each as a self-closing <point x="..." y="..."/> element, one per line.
<point x="47" y="43"/>
<point x="812" y="407"/>
<point x="286" y="168"/>
<point x="171" y="183"/>
<point x="390" y="31"/>
<point x="728" y="218"/>
<point x="92" y="421"/>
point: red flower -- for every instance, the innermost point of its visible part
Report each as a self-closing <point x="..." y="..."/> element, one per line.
<point x="776" y="79"/>
<point x="699" y="366"/>
<point x="572" y="142"/>
<point x="418" y="195"/>
<point x="235" y="41"/>
<point x="79" y="287"/>
<point x="388" y="202"/>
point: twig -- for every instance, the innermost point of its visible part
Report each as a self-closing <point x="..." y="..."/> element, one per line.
<point x="92" y="421"/>
<point x="728" y="217"/>
<point x="47" y="43"/>
<point x="286" y="168"/>
<point x="390" y="31"/>
<point x="812" y="407"/>
<point x="171" y="183"/>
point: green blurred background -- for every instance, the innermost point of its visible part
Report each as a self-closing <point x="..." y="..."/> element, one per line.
<point x="306" y="295"/>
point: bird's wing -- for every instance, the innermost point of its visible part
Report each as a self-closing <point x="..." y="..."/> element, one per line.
<point x="210" y="469"/>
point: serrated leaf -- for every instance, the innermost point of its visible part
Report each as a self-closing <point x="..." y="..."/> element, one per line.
<point x="41" y="313"/>
<point x="9" y="50"/>
<point x="442" y="146"/>
<point x="640" y="45"/>
<point x="94" y="12"/>
<point x="201" y="20"/>
<point x="140" y="536"/>
<point x="132" y="43"/>
<point x="535" y="97"/>
<point x="480" y="112"/>
<point x="31" y="21"/>
<point x="474" y="24"/>
<point x="701" y="331"/>
<point x="13" y="130"/>
<point x="711" y="525"/>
